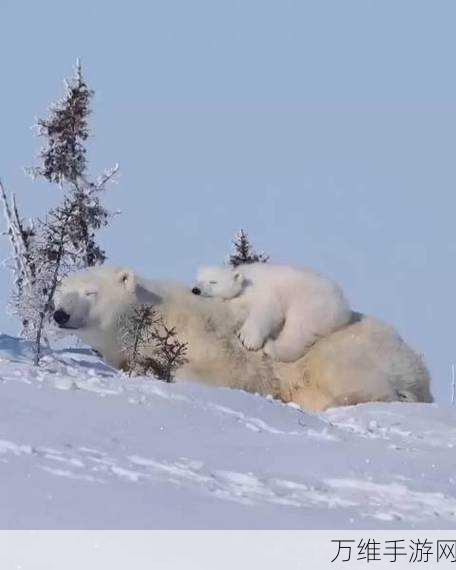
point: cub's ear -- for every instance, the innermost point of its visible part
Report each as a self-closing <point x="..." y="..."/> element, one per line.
<point x="237" y="276"/>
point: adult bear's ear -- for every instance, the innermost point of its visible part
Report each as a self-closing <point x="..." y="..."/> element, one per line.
<point x="133" y="284"/>
<point x="237" y="276"/>
<point x="126" y="278"/>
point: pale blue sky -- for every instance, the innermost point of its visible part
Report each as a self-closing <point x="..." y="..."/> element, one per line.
<point x="327" y="129"/>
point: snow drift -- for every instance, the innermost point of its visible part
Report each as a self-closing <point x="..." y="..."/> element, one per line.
<point x="84" y="446"/>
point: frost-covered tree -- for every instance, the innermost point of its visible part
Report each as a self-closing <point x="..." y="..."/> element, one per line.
<point x="63" y="161"/>
<point x="243" y="251"/>
<point x="21" y="234"/>
<point x="65" y="130"/>
<point x="65" y="240"/>
<point x="145" y="327"/>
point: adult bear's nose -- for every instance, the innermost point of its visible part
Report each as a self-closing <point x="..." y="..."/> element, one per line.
<point x="60" y="317"/>
<point x="196" y="291"/>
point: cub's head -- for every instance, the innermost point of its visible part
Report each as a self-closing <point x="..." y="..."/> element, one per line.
<point x="91" y="299"/>
<point x="220" y="282"/>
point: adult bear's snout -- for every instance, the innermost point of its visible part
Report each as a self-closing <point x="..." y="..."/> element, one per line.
<point x="61" y="317"/>
<point x="196" y="291"/>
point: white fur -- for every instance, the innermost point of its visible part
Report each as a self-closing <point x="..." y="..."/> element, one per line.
<point x="287" y="309"/>
<point x="364" y="361"/>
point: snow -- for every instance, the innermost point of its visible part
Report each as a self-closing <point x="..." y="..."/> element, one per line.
<point x="84" y="446"/>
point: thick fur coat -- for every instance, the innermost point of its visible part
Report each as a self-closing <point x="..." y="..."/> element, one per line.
<point x="364" y="361"/>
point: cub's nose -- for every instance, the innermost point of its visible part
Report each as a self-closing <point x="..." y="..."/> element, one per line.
<point x="60" y="317"/>
<point x="196" y="291"/>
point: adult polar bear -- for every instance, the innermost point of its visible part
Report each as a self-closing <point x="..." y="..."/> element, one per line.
<point x="364" y="361"/>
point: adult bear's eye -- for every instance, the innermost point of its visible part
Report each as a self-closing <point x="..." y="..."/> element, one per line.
<point x="212" y="282"/>
<point x="91" y="293"/>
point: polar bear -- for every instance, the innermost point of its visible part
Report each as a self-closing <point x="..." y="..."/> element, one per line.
<point x="287" y="309"/>
<point x="364" y="361"/>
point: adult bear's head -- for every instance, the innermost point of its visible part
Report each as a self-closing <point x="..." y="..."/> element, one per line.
<point x="91" y="299"/>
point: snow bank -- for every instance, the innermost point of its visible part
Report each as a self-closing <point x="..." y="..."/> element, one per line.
<point x="84" y="446"/>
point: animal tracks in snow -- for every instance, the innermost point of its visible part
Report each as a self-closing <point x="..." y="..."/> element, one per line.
<point x="384" y="502"/>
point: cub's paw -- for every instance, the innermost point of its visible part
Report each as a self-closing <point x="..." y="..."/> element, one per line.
<point x="281" y="353"/>
<point x="250" y="338"/>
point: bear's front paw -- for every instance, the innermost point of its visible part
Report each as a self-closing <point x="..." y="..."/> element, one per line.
<point x="250" y="338"/>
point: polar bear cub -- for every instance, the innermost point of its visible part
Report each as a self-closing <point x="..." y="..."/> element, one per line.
<point x="287" y="309"/>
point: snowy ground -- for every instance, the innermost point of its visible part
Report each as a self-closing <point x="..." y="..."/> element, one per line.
<point x="82" y="446"/>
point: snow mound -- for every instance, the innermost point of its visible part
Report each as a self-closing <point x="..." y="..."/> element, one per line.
<point x="84" y="446"/>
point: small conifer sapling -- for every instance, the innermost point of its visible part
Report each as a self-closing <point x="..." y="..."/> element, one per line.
<point x="244" y="252"/>
<point x="144" y="328"/>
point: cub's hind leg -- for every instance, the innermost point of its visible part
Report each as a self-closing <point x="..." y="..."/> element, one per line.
<point x="293" y="341"/>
